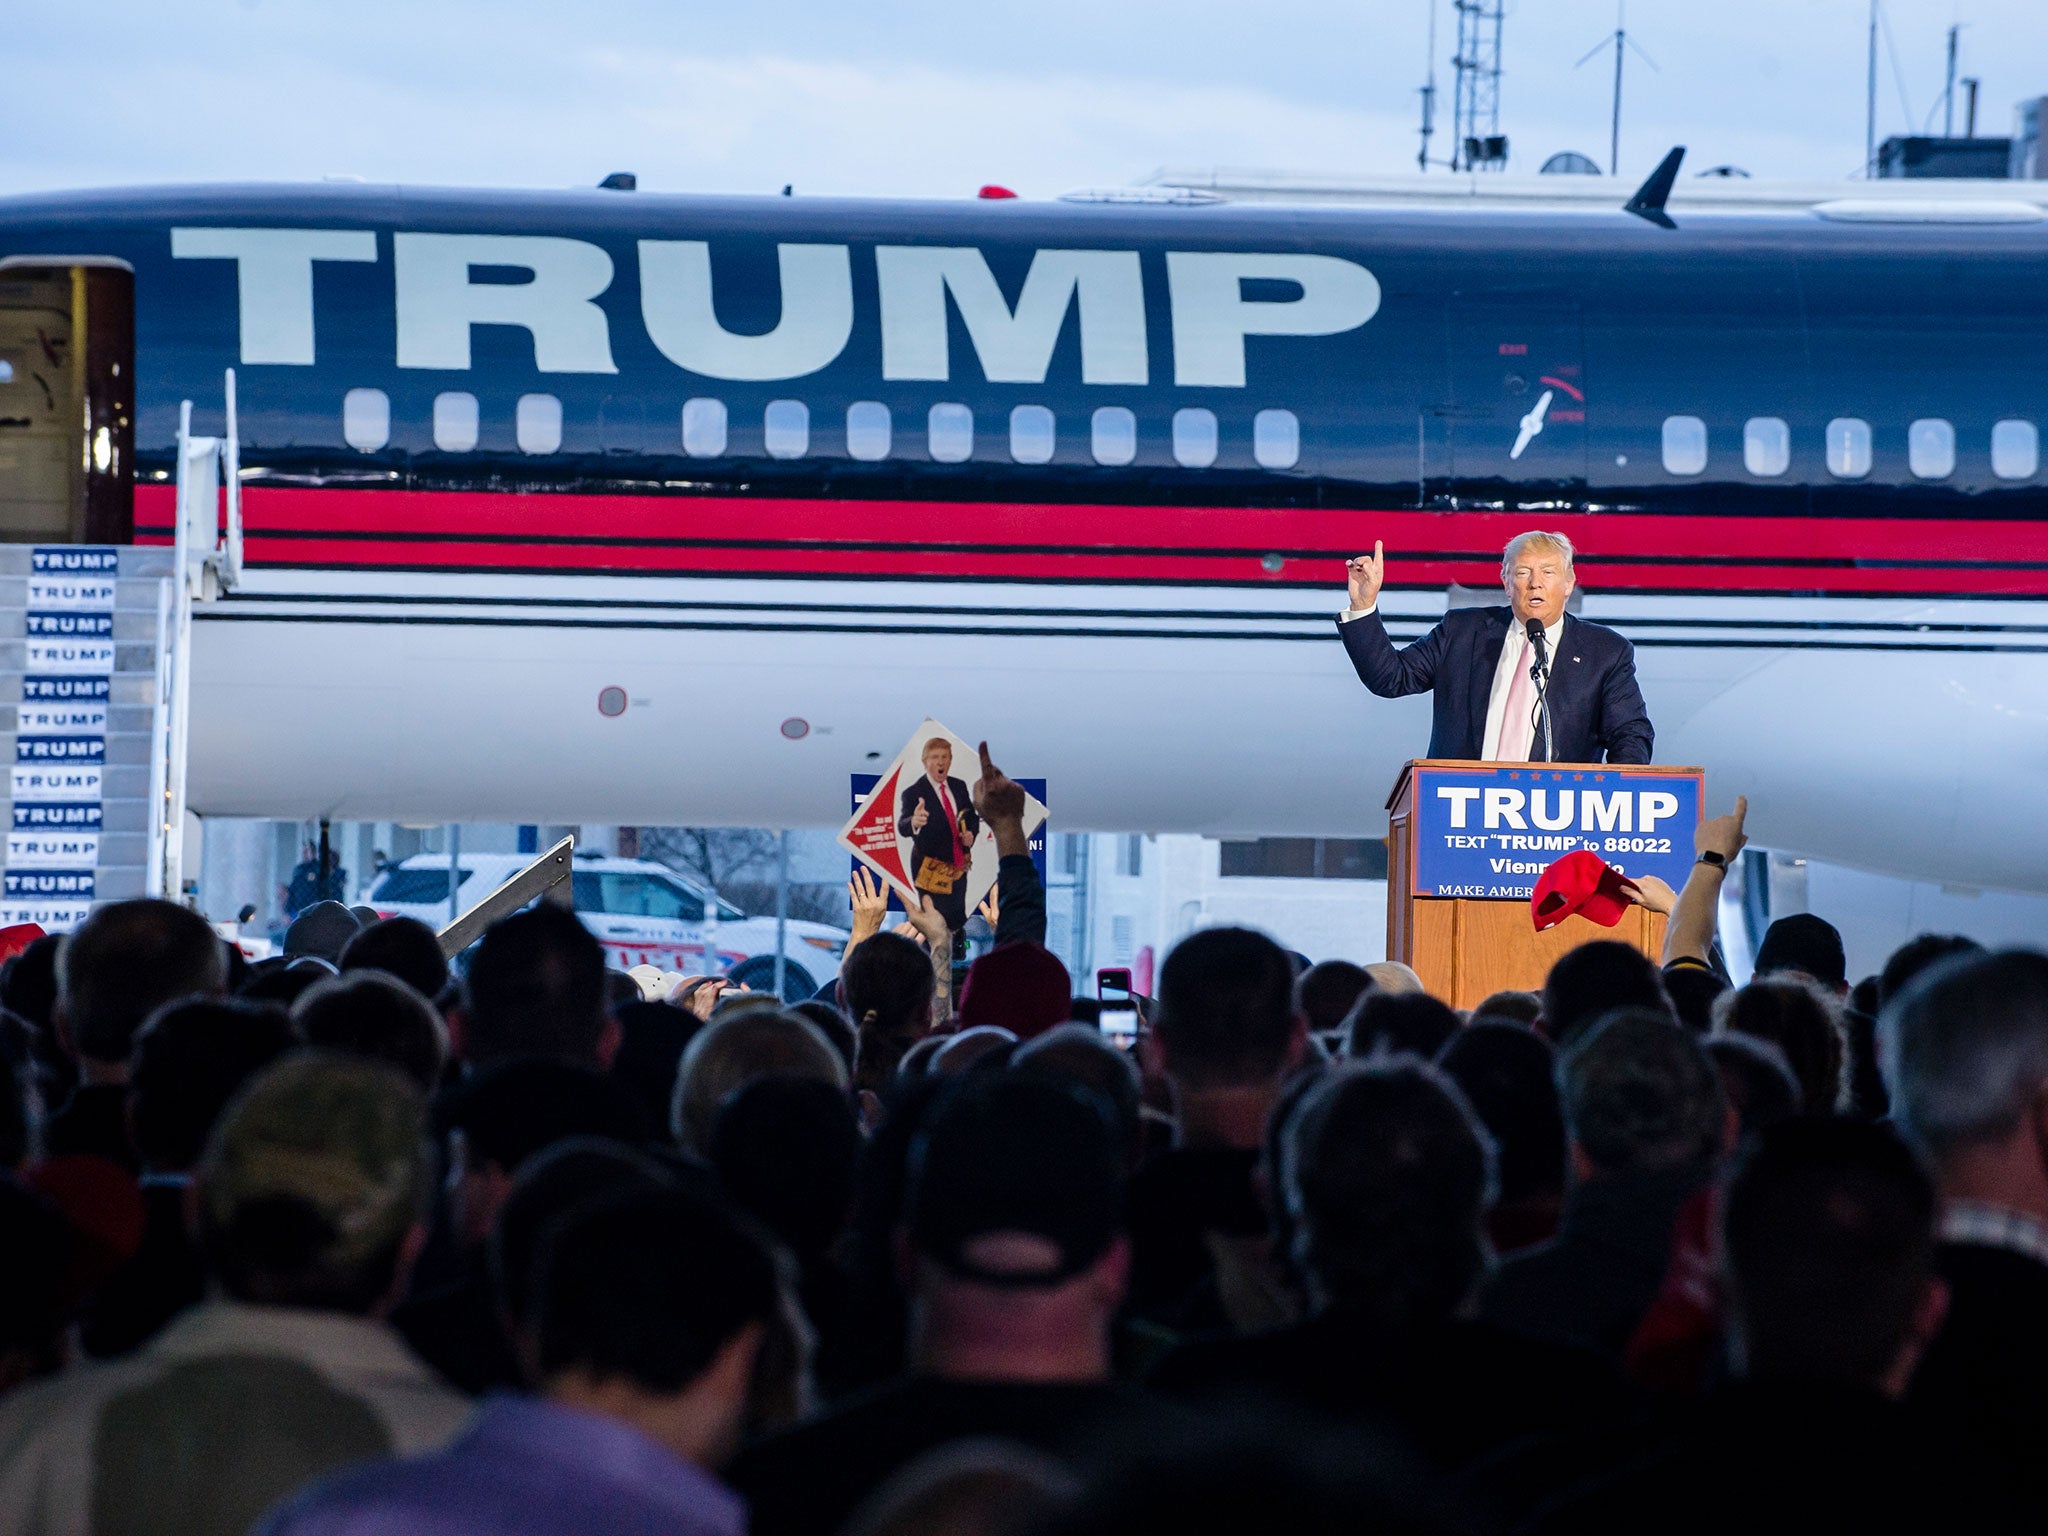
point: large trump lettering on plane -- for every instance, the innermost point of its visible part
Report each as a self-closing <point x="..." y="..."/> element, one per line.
<point x="919" y="289"/>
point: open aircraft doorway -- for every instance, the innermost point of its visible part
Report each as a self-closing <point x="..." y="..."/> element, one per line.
<point x="67" y="392"/>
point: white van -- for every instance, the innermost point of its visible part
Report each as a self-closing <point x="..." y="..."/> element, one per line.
<point x="645" y="913"/>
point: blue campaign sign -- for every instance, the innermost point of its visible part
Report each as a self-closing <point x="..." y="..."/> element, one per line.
<point x="864" y="785"/>
<point x="1490" y="832"/>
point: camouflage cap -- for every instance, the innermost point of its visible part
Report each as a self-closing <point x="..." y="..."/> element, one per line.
<point x="345" y="1137"/>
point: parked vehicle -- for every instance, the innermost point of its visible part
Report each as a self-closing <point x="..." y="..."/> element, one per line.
<point x="645" y="913"/>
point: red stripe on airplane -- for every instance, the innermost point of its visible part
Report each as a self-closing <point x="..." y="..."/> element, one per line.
<point x="786" y="535"/>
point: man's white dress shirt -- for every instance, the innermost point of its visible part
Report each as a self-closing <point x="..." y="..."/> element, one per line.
<point x="1505" y="741"/>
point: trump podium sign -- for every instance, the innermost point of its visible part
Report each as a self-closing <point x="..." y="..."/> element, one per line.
<point x="1488" y="830"/>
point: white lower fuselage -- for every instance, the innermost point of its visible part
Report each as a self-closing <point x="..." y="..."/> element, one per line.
<point x="1905" y="736"/>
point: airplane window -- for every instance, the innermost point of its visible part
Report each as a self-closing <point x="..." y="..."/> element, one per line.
<point x="703" y="428"/>
<point x="786" y="429"/>
<point x="6" y="371"/>
<point x="1114" y="431"/>
<point x="1685" y="445"/>
<point x="1276" y="439"/>
<point x="1848" y="448"/>
<point x="1194" y="438"/>
<point x="2015" y="450"/>
<point x="537" y="423"/>
<point x="366" y="419"/>
<point x="867" y="430"/>
<point x="455" y="421"/>
<point x="951" y="429"/>
<point x="1031" y="434"/>
<point x="1766" y="445"/>
<point x="1931" y="448"/>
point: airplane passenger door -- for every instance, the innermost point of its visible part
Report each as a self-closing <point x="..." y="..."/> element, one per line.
<point x="1516" y="421"/>
<point x="67" y="365"/>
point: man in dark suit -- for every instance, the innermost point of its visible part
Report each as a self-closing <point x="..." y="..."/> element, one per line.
<point x="1965" y="1047"/>
<point x="937" y="814"/>
<point x="1479" y="663"/>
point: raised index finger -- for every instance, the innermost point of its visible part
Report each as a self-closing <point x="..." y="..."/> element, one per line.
<point x="1741" y="808"/>
<point x="1379" y="551"/>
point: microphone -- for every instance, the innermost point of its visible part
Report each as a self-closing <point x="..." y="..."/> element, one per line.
<point x="1539" y="672"/>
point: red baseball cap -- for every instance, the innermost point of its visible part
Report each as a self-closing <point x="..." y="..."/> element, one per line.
<point x="17" y="937"/>
<point x="1579" y="882"/>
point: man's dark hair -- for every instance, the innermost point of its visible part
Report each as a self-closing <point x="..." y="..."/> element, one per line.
<point x="833" y="1025"/>
<point x="652" y="1038"/>
<point x="28" y="984"/>
<point x="281" y="982"/>
<point x="1693" y="990"/>
<point x="125" y="961"/>
<point x="1326" y="992"/>
<point x="1410" y="1022"/>
<point x="1077" y="1053"/>
<point x="403" y="947"/>
<point x="189" y="1061"/>
<point x="1640" y="1095"/>
<point x="1807" y="944"/>
<point x="512" y="1110"/>
<point x="1596" y="979"/>
<point x="535" y="988"/>
<point x="1755" y="1079"/>
<point x="1511" y="1004"/>
<point x="647" y="1287"/>
<point x="1829" y="1234"/>
<point x="1388" y="1177"/>
<point x="568" y="1174"/>
<point x="887" y="984"/>
<point x="784" y="1149"/>
<point x="1226" y="1009"/>
<point x="1800" y="1019"/>
<point x="1508" y="1075"/>
<point x="374" y="1015"/>
<point x="1915" y="956"/>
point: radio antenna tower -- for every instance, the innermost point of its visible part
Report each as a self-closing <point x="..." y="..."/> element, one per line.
<point x="1476" y="115"/>
<point x="1428" y="93"/>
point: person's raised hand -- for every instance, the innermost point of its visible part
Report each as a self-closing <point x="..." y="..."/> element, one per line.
<point x="870" y="899"/>
<point x="1723" y="834"/>
<point x="1366" y="573"/>
<point x="703" y="993"/>
<point x="918" y="817"/>
<point x="990" y="909"/>
<point x="1002" y="803"/>
<point x="1649" y="891"/>
<point x="996" y="795"/>
<point x="929" y="922"/>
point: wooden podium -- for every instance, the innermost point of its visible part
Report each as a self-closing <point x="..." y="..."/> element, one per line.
<point x="1472" y="934"/>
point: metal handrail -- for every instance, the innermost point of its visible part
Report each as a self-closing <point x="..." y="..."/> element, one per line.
<point x="546" y="877"/>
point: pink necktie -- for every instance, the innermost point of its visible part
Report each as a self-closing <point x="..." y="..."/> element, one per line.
<point x="1517" y="733"/>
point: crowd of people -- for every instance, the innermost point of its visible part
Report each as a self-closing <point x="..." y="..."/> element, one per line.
<point x="345" y="1245"/>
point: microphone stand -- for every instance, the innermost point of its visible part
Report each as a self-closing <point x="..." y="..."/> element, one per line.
<point x="1539" y="674"/>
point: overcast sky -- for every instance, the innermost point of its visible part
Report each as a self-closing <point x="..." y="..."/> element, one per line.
<point x="935" y="97"/>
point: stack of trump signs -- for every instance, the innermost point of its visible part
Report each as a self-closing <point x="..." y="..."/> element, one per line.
<point x="57" y="782"/>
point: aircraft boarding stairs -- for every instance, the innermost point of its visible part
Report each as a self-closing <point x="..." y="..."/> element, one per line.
<point x="95" y="688"/>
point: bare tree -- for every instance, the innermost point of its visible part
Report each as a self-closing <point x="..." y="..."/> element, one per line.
<point x="739" y="864"/>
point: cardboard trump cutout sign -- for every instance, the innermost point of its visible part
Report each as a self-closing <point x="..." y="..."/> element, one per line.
<point x="917" y="829"/>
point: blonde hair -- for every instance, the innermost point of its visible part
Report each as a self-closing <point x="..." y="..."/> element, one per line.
<point x="936" y="741"/>
<point x="1522" y="543"/>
